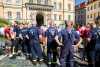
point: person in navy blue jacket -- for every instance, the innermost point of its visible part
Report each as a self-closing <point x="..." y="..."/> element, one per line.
<point x="68" y="39"/>
<point x="34" y="36"/>
<point x="50" y="35"/>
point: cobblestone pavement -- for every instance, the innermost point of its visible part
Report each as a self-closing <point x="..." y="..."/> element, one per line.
<point x="6" y="62"/>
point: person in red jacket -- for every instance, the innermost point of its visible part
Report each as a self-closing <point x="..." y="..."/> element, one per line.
<point x="7" y="32"/>
<point x="85" y="34"/>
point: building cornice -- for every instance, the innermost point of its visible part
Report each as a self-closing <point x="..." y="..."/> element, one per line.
<point x="34" y="6"/>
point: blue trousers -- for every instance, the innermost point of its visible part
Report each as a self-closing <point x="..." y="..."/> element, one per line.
<point x="66" y="57"/>
<point x="36" y="50"/>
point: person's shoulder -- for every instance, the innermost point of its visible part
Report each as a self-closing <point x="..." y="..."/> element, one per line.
<point x="62" y="31"/>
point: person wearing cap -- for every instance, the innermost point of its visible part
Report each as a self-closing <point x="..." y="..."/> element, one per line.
<point x="67" y="38"/>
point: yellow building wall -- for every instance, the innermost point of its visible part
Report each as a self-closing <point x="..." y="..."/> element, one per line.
<point x="92" y="12"/>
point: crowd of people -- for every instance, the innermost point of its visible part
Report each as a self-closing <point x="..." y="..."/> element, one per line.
<point x="42" y="43"/>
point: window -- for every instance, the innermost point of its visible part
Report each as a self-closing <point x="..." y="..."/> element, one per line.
<point x="91" y="7"/>
<point x="9" y="14"/>
<point x="60" y="17"/>
<point x="91" y="16"/>
<point x="31" y="16"/>
<point x="17" y="1"/>
<point x="55" y="5"/>
<point x="38" y="1"/>
<point x="99" y="4"/>
<point x="18" y="16"/>
<point x="94" y="15"/>
<point x="88" y="8"/>
<point x="46" y="2"/>
<point x="69" y="6"/>
<point x="69" y="17"/>
<point x="55" y="16"/>
<point x="94" y="6"/>
<point x="98" y="13"/>
<point x="60" y="6"/>
<point x="87" y="16"/>
<point x="9" y="1"/>
<point x="30" y="1"/>
<point x="82" y="11"/>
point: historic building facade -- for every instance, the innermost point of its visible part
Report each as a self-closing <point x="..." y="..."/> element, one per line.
<point x="63" y="10"/>
<point x="80" y="13"/>
<point x="37" y="10"/>
<point x="92" y="10"/>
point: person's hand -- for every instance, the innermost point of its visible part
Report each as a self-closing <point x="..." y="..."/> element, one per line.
<point x="60" y="44"/>
<point x="88" y="39"/>
<point x="75" y="46"/>
<point x="27" y="37"/>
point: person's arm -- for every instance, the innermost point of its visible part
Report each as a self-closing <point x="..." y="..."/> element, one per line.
<point x="78" y="39"/>
<point x="20" y="35"/>
<point x="58" y="38"/>
<point x="27" y="36"/>
<point x="89" y="36"/>
<point x="79" y="43"/>
<point x="59" y="42"/>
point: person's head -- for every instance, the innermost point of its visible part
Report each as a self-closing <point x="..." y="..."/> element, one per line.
<point x="89" y="26"/>
<point x="50" y="22"/>
<point x="15" y="23"/>
<point x="29" y="25"/>
<point x="69" y="24"/>
<point x="26" y="25"/>
<point x="34" y="23"/>
<point x="21" y="25"/>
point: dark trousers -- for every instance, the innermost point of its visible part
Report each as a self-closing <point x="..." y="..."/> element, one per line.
<point x="52" y="53"/>
<point x="97" y="58"/>
<point x="18" y="43"/>
<point x="25" y="46"/>
<point x="90" y="58"/>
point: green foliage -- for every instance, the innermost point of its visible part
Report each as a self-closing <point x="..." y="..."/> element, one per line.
<point x="3" y="22"/>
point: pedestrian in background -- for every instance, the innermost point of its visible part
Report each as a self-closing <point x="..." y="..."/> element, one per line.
<point x="8" y="42"/>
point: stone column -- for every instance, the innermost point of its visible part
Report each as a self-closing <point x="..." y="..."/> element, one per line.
<point x="34" y="18"/>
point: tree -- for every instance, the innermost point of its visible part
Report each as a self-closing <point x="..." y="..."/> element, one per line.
<point x="3" y="22"/>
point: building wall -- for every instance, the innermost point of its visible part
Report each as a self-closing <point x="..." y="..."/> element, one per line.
<point x="1" y="9"/>
<point x="80" y="14"/>
<point x="69" y="9"/>
<point x="14" y="7"/>
<point x="92" y="11"/>
<point x="62" y="10"/>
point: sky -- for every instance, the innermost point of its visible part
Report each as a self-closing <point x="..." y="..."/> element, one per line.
<point x="79" y="1"/>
